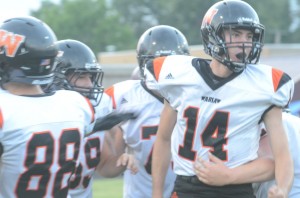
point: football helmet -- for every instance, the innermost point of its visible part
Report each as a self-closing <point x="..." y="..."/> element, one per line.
<point x="27" y="51"/>
<point x="229" y="15"/>
<point x="161" y="40"/>
<point x="74" y="59"/>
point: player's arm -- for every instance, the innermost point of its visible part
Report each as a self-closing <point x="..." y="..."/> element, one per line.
<point x="215" y="172"/>
<point x="162" y="149"/>
<point x="114" y="159"/>
<point x="284" y="169"/>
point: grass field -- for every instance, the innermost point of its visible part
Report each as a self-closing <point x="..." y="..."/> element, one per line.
<point x="108" y="188"/>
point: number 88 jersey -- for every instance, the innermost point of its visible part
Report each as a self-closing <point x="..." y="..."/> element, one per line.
<point x="90" y="157"/>
<point x="41" y="138"/>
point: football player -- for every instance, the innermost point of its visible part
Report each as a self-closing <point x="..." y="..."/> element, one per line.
<point x="216" y="173"/>
<point x="214" y="106"/>
<point x="140" y="134"/>
<point x="78" y="70"/>
<point x="40" y="133"/>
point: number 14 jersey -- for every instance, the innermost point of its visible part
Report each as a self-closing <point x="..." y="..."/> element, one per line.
<point x="216" y="115"/>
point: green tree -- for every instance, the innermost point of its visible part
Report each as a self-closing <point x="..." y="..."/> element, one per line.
<point x="187" y="16"/>
<point x="273" y="14"/>
<point x="140" y="14"/>
<point x="89" y="21"/>
<point x="184" y="15"/>
<point x="120" y="23"/>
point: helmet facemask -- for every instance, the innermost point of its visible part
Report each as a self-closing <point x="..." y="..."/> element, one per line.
<point x="78" y="70"/>
<point x="95" y="91"/>
<point x="250" y="53"/>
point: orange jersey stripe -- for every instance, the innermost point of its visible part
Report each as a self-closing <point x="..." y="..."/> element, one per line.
<point x="110" y="91"/>
<point x="92" y="109"/>
<point x="276" y="75"/>
<point x="157" y="65"/>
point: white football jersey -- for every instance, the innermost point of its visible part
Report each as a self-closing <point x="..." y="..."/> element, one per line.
<point x="139" y="134"/>
<point x="41" y="138"/>
<point x="121" y="87"/>
<point x="81" y="182"/>
<point x="216" y="115"/>
<point x="2" y="90"/>
<point x="291" y="125"/>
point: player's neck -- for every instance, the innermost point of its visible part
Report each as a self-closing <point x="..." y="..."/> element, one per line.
<point x="22" y="89"/>
<point x="219" y="69"/>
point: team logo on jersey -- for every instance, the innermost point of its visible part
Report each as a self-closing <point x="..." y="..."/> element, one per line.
<point x="10" y="43"/>
<point x="169" y="76"/>
<point x="210" y="99"/>
<point x="123" y="101"/>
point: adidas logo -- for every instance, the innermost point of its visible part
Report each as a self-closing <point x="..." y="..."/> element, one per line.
<point x="123" y="101"/>
<point x="169" y="76"/>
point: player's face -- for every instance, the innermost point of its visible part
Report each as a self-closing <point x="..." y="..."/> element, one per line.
<point x="80" y="80"/>
<point x="239" y="43"/>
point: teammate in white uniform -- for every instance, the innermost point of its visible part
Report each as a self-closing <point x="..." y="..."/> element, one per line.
<point x="139" y="134"/>
<point x="215" y="106"/>
<point x="40" y="134"/>
<point x="78" y="70"/>
<point x="216" y="173"/>
<point x="291" y="124"/>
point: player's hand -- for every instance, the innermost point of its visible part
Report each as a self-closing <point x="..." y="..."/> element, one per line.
<point x="276" y="192"/>
<point x="129" y="161"/>
<point x="212" y="172"/>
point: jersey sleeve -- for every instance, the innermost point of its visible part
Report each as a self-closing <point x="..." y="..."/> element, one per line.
<point x="110" y="91"/>
<point x="85" y="105"/>
<point x="90" y="116"/>
<point x="283" y="88"/>
<point x="104" y="107"/>
<point x="169" y="75"/>
<point x="152" y="73"/>
<point x="116" y="92"/>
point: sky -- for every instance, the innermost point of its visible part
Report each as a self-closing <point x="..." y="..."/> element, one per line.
<point x="13" y="8"/>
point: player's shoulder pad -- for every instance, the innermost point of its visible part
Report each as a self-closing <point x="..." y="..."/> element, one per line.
<point x="279" y="78"/>
<point x="118" y="89"/>
<point x="79" y="99"/>
<point x="155" y="65"/>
